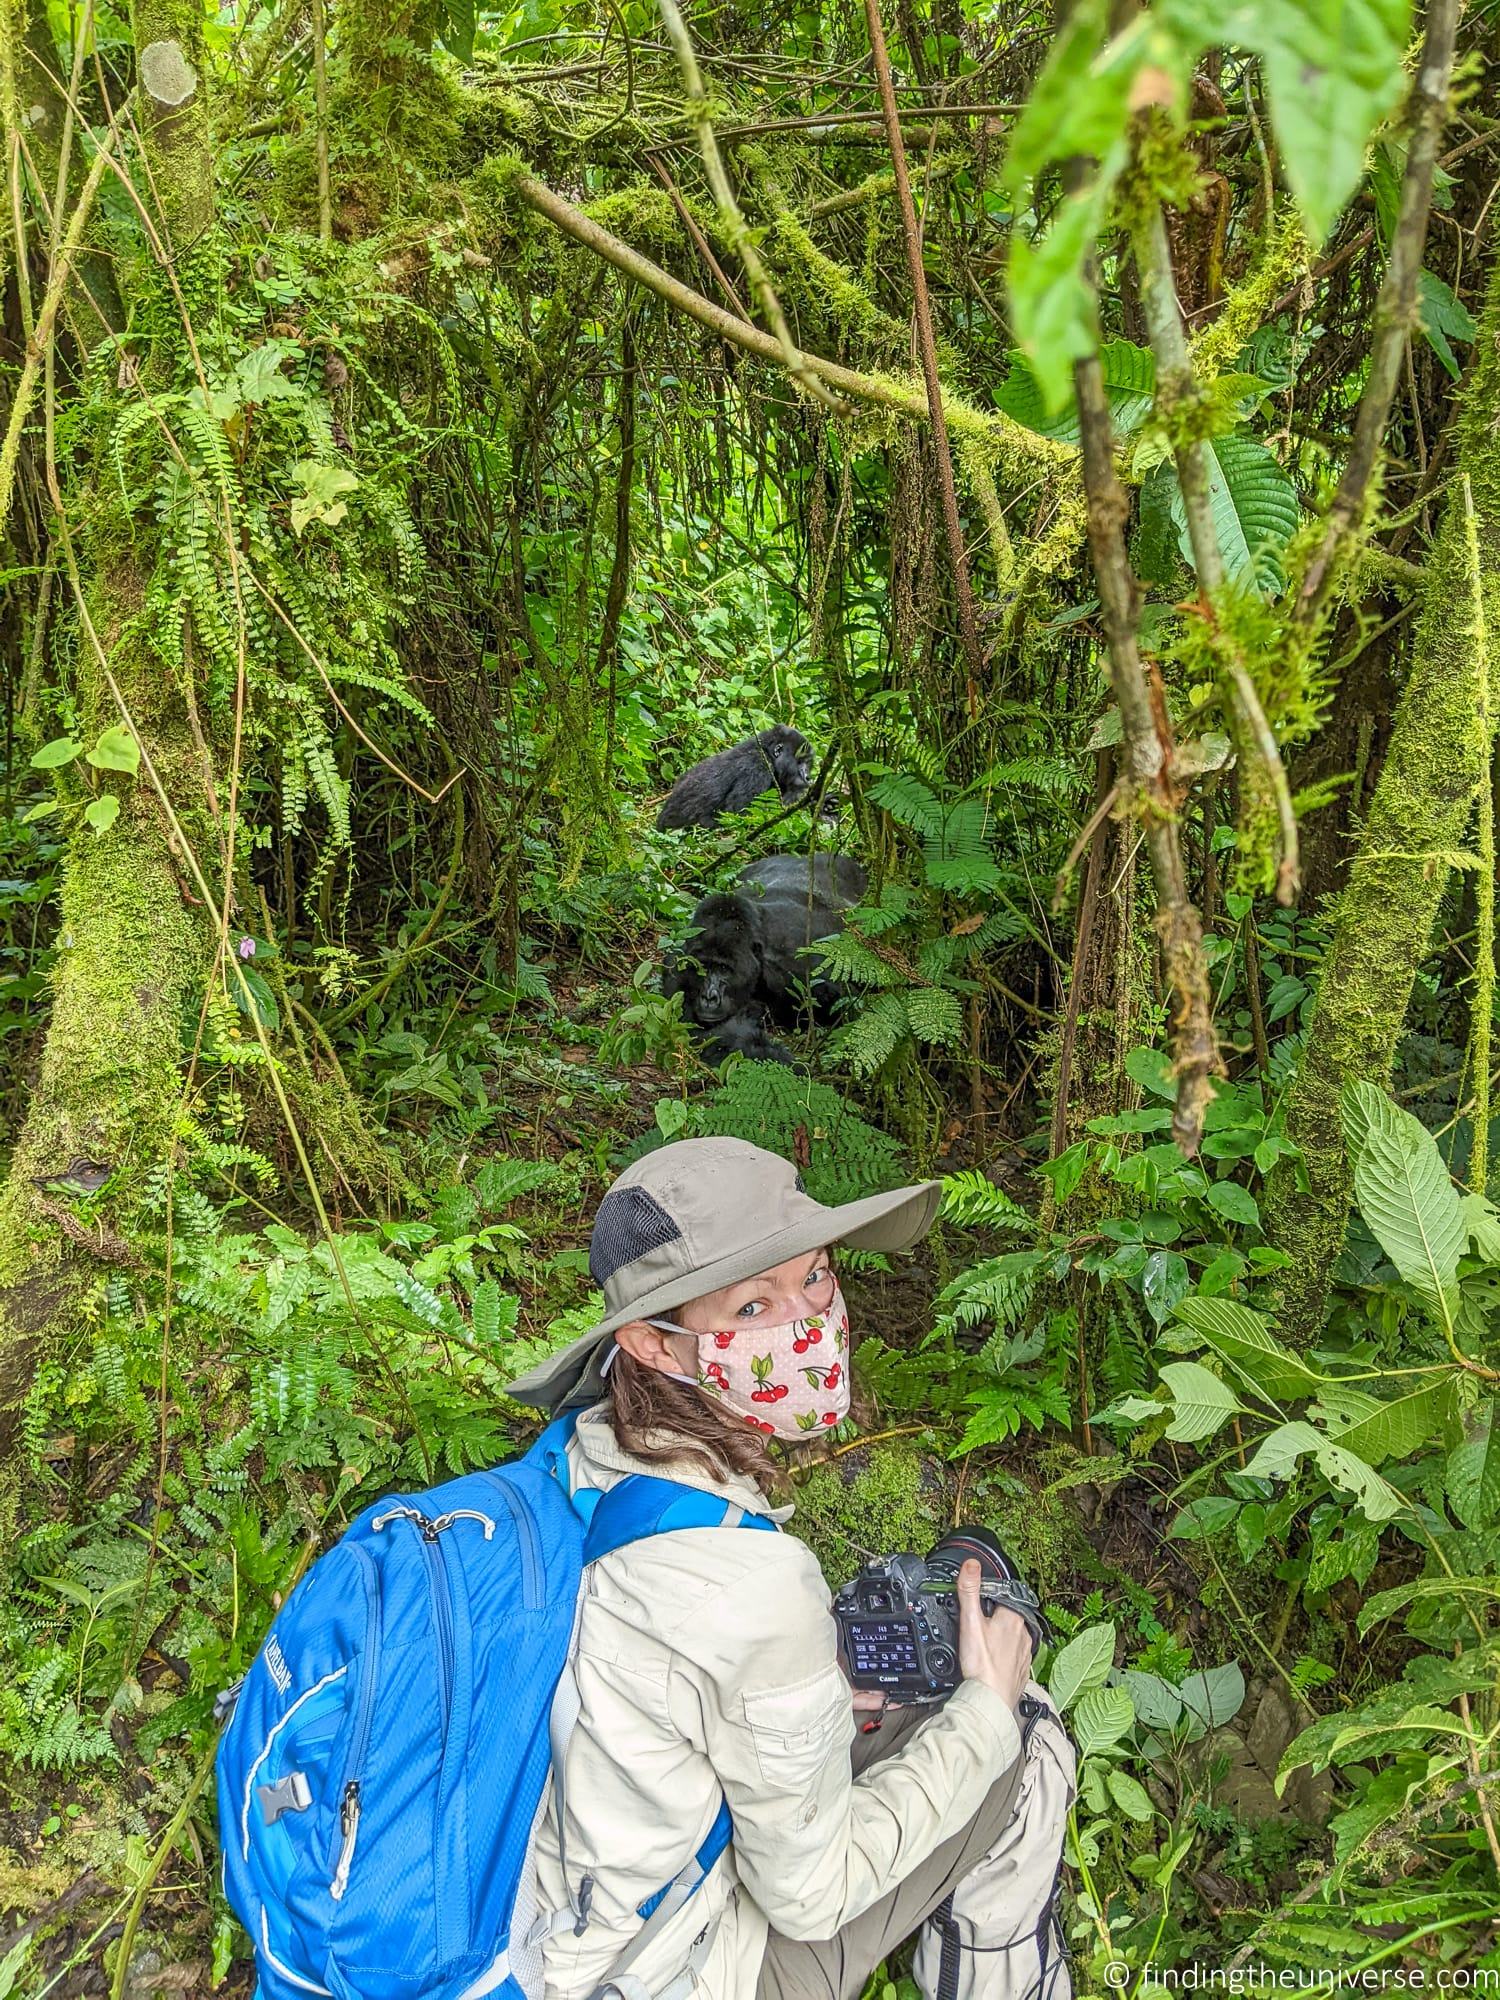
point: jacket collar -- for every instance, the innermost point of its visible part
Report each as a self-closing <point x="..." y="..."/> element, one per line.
<point x="602" y="1451"/>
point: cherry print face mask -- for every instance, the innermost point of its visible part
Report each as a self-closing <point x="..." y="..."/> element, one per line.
<point x="790" y="1381"/>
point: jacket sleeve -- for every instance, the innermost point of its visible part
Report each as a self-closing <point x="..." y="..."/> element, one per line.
<point x="760" y="1688"/>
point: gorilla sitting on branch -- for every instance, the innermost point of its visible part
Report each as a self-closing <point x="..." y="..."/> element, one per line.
<point x="743" y="963"/>
<point x="779" y="759"/>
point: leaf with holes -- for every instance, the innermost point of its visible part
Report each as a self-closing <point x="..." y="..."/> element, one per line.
<point x="1473" y="1476"/>
<point x="1398" y="1428"/>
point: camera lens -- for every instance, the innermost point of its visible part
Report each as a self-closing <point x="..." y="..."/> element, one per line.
<point x="978" y="1544"/>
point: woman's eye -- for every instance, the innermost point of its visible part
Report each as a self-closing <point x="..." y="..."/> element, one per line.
<point x="750" y="1310"/>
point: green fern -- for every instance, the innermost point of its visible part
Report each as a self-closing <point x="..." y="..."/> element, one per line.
<point x="841" y="1156"/>
<point x="972" y="1200"/>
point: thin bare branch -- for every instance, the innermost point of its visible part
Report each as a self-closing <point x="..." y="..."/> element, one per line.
<point x="927" y="349"/>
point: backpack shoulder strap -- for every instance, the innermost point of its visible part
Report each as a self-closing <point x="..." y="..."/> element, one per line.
<point x="640" y="1505"/>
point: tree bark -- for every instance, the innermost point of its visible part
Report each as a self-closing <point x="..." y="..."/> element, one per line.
<point x="1419" y="814"/>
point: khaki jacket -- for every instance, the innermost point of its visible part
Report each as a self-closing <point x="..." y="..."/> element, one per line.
<point x="706" y="1664"/>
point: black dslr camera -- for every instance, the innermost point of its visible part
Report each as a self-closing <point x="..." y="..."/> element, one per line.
<point x="898" y="1619"/>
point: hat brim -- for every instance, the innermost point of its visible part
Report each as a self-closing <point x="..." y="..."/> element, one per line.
<point x="574" y="1376"/>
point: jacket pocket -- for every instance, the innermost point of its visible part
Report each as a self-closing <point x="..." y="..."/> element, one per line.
<point x="797" y="1730"/>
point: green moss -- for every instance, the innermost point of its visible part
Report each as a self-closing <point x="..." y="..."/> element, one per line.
<point x="873" y="1501"/>
<point x="896" y="1496"/>
<point x="1419" y="814"/>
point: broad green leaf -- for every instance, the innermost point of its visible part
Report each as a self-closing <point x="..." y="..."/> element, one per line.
<point x="101" y="813"/>
<point x="321" y="486"/>
<point x="1101" y="1719"/>
<point x="1242" y="1338"/>
<point x="1482" y="1225"/>
<point x="1234" y="1203"/>
<point x="1384" y="1602"/>
<point x="1165" y="1280"/>
<point x="1333" y="70"/>
<point x="1081" y="1664"/>
<point x="1203" y="1401"/>
<point x="1051" y="301"/>
<point x="1378" y="1500"/>
<point x="1372" y="1737"/>
<point x="458" y="34"/>
<point x="1473" y="1481"/>
<point x="1129" y="383"/>
<point x="259" y="371"/>
<point x="1277" y="1454"/>
<point x="1080" y="102"/>
<point x="1214" y="1696"/>
<point x="1202" y="1517"/>
<point x="1445" y="318"/>
<point x="1130" y="1795"/>
<point x="1250" y="1529"/>
<point x="43" y="809"/>
<point x="1254" y="506"/>
<point x="1405" y="1196"/>
<point x="116" y="750"/>
<point x="260" y="1002"/>
<point x="1157" y="1702"/>
<point x="1397" y="1428"/>
<point x="52" y="756"/>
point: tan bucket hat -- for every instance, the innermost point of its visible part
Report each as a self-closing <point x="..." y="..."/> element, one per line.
<point x="698" y="1215"/>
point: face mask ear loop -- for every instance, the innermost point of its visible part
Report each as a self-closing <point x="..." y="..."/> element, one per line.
<point x="669" y="1326"/>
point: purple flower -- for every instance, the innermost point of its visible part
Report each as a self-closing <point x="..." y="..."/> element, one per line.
<point x="247" y="947"/>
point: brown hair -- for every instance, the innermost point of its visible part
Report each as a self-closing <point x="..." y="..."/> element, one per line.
<point x="659" y="1420"/>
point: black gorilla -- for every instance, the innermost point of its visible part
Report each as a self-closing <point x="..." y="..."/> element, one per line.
<point x="742" y="963"/>
<point x="778" y="759"/>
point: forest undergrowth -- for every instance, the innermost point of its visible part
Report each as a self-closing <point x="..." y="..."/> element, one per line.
<point x="425" y="432"/>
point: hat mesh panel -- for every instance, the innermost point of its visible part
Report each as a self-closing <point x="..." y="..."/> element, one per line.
<point x="629" y="1224"/>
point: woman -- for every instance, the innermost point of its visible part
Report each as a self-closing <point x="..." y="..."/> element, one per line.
<point x="706" y="1663"/>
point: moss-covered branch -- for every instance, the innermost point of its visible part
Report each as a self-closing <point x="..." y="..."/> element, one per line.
<point x="1419" y="816"/>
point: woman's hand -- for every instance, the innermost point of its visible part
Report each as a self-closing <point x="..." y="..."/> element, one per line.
<point x="994" y="1649"/>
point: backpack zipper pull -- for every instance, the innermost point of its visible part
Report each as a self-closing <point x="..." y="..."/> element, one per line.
<point x="349" y="1824"/>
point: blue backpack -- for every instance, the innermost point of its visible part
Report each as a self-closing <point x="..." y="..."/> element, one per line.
<point x="381" y="1773"/>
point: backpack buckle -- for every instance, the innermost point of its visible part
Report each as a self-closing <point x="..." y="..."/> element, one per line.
<point x="288" y="1794"/>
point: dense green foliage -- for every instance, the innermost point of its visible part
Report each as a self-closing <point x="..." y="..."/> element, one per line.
<point x="388" y="521"/>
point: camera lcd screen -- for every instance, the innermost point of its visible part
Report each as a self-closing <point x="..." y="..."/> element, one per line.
<point x="882" y="1646"/>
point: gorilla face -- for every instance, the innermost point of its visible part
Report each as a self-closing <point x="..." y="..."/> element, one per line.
<point x="719" y="968"/>
<point x="791" y="759"/>
<point x="743" y="965"/>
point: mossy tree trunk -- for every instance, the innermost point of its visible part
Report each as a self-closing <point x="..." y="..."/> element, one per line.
<point x="135" y="934"/>
<point x="1419" y="813"/>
